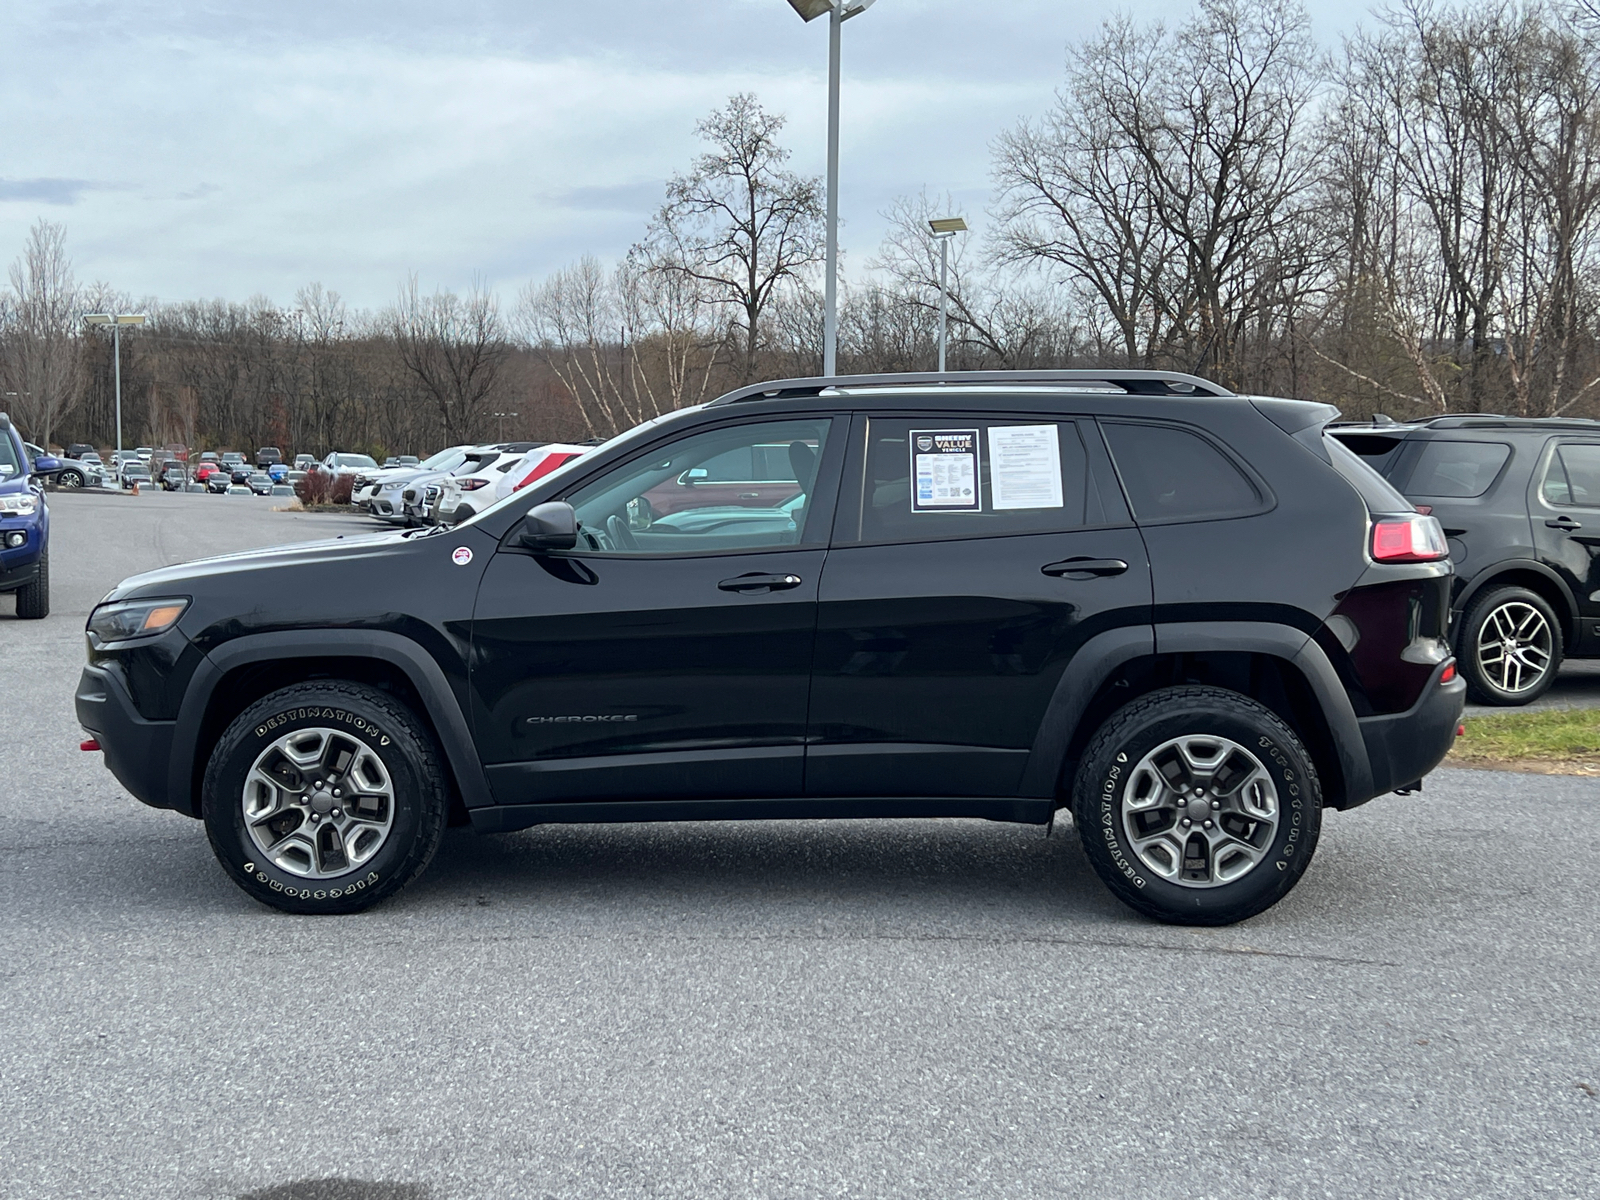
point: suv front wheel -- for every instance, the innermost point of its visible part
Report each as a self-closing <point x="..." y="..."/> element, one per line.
<point x="1510" y="646"/>
<point x="324" y="798"/>
<point x="1197" y="806"/>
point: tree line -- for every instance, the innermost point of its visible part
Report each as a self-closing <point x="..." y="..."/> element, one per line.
<point x="1406" y="225"/>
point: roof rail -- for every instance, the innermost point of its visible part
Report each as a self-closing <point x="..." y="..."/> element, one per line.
<point x="1132" y="383"/>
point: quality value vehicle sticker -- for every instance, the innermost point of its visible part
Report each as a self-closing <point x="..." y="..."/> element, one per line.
<point x="462" y="556"/>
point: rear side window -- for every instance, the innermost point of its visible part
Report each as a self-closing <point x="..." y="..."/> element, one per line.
<point x="1574" y="477"/>
<point x="1457" y="470"/>
<point x="1173" y="475"/>
<point x="964" y="476"/>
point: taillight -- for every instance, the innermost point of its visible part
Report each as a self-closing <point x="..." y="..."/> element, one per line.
<point x="1408" y="539"/>
<point x="1449" y="672"/>
<point x="472" y="485"/>
<point x="1425" y="509"/>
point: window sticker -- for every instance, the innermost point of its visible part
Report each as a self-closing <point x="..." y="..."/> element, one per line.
<point x="1025" y="467"/>
<point x="944" y="468"/>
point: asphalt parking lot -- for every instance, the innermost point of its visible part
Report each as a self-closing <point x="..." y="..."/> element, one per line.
<point x="919" y="1009"/>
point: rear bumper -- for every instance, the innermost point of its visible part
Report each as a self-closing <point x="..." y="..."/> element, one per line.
<point x="138" y="752"/>
<point x="1403" y="747"/>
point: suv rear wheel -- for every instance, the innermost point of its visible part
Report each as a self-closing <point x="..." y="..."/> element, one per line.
<point x="1510" y="647"/>
<point x="1197" y="806"/>
<point x="324" y="798"/>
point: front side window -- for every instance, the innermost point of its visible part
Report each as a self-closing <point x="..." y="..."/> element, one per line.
<point x="1450" y="469"/>
<point x="965" y="476"/>
<point x="10" y="462"/>
<point x="1573" y="478"/>
<point x="736" y="488"/>
<point x="1172" y="474"/>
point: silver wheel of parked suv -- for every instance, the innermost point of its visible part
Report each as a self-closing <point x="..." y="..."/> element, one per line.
<point x="1200" y="811"/>
<point x="1510" y="646"/>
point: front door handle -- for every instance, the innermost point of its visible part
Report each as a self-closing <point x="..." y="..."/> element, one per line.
<point x="1565" y="523"/>
<point x="756" y="584"/>
<point x="1085" y="568"/>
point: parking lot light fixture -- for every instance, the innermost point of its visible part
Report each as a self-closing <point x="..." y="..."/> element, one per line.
<point x="116" y="321"/>
<point x="838" y="12"/>
<point x="501" y="417"/>
<point x="944" y="228"/>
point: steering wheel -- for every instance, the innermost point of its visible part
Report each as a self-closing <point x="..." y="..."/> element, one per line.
<point x="621" y="536"/>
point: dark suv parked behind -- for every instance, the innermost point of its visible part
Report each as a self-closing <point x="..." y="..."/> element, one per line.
<point x="1189" y="616"/>
<point x="1520" y="502"/>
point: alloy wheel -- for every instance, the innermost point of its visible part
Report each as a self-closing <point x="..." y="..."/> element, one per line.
<point x="1515" y="646"/>
<point x="1200" y="811"/>
<point x="318" y="803"/>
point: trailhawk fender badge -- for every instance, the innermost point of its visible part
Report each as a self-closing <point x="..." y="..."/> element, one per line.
<point x="461" y="556"/>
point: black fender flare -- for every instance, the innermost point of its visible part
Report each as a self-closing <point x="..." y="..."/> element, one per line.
<point x="425" y="674"/>
<point x="1490" y="575"/>
<point x="1105" y="653"/>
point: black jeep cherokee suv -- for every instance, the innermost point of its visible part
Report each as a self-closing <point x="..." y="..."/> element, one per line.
<point x="1187" y="615"/>
<point x="1519" y="500"/>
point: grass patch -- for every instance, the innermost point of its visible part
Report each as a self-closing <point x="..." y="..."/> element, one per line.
<point x="1556" y="741"/>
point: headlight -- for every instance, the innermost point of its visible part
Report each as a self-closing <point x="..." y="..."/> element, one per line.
<point x="135" y="619"/>
<point x="20" y="504"/>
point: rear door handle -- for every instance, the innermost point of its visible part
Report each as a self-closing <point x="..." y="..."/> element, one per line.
<point x="1564" y="522"/>
<point x="1085" y="568"/>
<point x="760" y="583"/>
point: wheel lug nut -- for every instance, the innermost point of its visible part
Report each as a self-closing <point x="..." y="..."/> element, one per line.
<point x="1187" y="822"/>
<point x="1208" y="824"/>
<point x="337" y="792"/>
<point x="1216" y="804"/>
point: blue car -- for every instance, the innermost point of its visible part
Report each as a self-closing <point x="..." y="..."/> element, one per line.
<point x="24" y="525"/>
<point x="278" y="472"/>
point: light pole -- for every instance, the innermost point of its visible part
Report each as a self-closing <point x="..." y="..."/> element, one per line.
<point x="838" y="11"/>
<point x="502" y="418"/>
<point x="116" y="321"/>
<point x="944" y="228"/>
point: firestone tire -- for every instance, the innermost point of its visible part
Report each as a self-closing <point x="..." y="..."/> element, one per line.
<point x="1262" y="785"/>
<point x="33" y="599"/>
<point x="306" y="854"/>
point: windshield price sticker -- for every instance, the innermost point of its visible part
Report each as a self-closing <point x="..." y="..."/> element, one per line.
<point x="944" y="470"/>
<point x="1025" y="466"/>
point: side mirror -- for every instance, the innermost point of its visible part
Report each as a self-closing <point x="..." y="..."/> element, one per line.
<point x="549" y="526"/>
<point x="46" y="464"/>
<point x="694" y="475"/>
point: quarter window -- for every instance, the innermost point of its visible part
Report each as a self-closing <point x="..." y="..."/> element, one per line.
<point x="736" y="488"/>
<point x="1574" y="477"/>
<point x="962" y="476"/>
<point x="1174" y="475"/>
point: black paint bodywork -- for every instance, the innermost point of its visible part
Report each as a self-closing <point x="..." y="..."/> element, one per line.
<point x="1509" y="535"/>
<point x="949" y="678"/>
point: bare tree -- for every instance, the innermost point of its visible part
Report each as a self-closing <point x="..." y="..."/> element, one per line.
<point x="1169" y="176"/>
<point x="739" y="223"/>
<point x="40" y="365"/>
<point x="453" y="347"/>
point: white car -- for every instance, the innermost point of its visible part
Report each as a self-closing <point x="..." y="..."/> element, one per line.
<point x="420" y="495"/>
<point x="458" y="496"/>
<point x="536" y="464"/>
<point x="382" y="492"/>
<point x="347" y="464"/>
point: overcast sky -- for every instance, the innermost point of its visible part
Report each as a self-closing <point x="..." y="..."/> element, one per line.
<point x="230" y="149"/>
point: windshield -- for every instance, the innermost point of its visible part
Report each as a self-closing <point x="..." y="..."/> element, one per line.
<point x="10" y="463"/>
<point x="355" y="460"/>
<point x="445" y="460"/>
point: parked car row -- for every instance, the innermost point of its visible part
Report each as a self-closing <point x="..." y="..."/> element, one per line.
<point x="457" y="484"/>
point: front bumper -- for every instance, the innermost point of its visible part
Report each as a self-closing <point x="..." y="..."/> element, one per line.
<point x="1403" y="747"/>
<point x="19" y="565"/>
<point x="138" y="752"/>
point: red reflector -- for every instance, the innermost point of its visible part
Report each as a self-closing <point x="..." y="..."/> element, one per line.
<point x="91" y="744"/>
<point x="1449" y="673"/>
<point x="1461" y="731"/>
<point x="1425" y="509"/>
